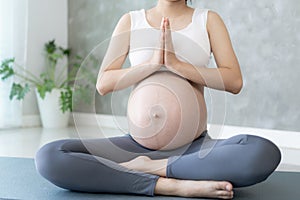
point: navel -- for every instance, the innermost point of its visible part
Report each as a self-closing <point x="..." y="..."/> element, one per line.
<point x="155" y="115"/>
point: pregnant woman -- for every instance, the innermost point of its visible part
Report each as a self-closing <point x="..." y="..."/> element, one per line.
<point x="168" y="150"/>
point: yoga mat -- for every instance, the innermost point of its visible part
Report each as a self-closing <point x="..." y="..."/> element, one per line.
<point x="20" y="180"/>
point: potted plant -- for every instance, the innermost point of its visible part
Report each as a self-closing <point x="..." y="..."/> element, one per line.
<point x="53" y="88"/>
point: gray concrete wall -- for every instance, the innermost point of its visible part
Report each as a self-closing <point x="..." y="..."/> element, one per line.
<point x="264" y="35"/>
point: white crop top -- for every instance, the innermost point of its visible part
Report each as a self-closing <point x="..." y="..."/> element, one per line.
<point x="191" y="44"/>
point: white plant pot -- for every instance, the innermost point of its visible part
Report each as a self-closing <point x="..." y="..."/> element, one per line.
<point x="50" y="112"/>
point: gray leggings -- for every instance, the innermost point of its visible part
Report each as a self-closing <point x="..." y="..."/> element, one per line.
<point x="91" y="165"/>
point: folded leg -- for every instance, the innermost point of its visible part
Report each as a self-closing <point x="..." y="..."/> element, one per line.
<point x="242" y="160"/>
<point x="92" y="166"/>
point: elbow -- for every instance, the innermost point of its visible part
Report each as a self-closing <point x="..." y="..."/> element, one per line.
<point x="102" y="88"/>
<point x="237" y="86"/>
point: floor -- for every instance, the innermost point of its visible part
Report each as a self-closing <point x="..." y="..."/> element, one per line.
<point x="25" y="142"/>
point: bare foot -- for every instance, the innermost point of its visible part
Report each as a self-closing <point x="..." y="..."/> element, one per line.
<point x="139" y="163"/>
<point x="211" y="189"/>
<point x="176" y="187"/>
<point x="147" y="165"/>
<point x="190" y="188"/>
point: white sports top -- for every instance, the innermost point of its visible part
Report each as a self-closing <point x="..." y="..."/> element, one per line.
<point x="191" y="44"/>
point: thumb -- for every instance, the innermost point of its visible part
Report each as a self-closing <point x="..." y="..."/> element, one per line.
<point x="167" y="23"/>
<point x="162" y="24"/>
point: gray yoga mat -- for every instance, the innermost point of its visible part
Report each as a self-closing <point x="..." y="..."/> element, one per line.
<point x="19" y="180"/>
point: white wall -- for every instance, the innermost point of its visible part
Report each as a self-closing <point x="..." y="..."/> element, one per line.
<point x="47" y="20"/>
<point x="265" y="36"/>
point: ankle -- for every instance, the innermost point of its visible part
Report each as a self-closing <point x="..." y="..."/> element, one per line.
<point x="166" y="186"/>
<point x="159" y="167"/>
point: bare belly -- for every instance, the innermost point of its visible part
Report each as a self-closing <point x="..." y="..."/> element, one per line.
<point x="165" y="111"/>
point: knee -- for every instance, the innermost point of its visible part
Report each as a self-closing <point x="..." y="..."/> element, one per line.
<point x="264" y="157"/>
<point x="267" y="153"/>
<point x="46" y="159"/>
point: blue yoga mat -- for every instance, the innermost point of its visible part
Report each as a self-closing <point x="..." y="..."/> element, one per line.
<point x="19" y="180"/>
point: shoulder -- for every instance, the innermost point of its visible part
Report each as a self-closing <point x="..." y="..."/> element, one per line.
<point x="208" y="16"/>
<point x="125" y="20"/>
<point x="125" y="17"/>
<point x="124" y="24"/>
<point x="214" y="19"/>
<point x="128" y="20"/>
<point x="212" y="14"/>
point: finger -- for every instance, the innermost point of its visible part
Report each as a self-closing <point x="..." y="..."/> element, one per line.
<point x="162" y="28"/>
<point x="161" y="45"/>
<point x="162" y="40"/>
<point x="167" y="23"/>
<point x="162" y="24"/>
<point x="168" y="36"/>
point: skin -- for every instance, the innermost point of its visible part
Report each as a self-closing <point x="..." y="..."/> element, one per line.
<point x="159" y="114"/>
<point x="226" y="77"/>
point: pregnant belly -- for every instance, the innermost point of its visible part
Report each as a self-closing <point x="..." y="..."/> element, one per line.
<point x="165" y="112"/>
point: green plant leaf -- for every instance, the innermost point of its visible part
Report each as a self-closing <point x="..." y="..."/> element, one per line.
<point x="55" y="56"/>
<point x="6" y="68"/>
<point x="66" y="100"/>
<point x="44" y="76"/>
<point x="50" y="47"/>
<point x="48" y="80"/>
<point x="19" y="91"/>
<point x="65" y="52"/>
<point x="46" y="87"/>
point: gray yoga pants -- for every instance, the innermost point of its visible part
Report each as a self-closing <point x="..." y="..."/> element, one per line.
<point x="91" y="165"/>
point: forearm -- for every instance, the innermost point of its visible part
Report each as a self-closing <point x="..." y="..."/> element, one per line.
<point x="222" y="78"/>
<point x="118" y="79"/>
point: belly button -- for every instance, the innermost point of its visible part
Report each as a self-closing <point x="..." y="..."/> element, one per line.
<point x="155" y="115"/>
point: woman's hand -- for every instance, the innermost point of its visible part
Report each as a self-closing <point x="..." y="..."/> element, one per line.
<point x="170" y="59"/>
<point x="165" y="54"/>
<point x="157" y="60"/>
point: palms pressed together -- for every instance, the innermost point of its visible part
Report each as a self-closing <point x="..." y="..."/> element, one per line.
<point x="165" y="54"/>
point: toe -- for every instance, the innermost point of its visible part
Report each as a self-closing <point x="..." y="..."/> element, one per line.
<point x="224" y="185"/>
<point x="228" y="186"/>
<point x="224" y="193"/>
<point x="228" y="195"/>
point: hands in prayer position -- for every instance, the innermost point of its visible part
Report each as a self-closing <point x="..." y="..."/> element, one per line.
<point x="165" y="54"/>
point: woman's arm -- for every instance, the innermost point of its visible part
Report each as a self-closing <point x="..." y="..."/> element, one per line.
<point x="227" y="76"/>
<point x="111" y="75"/>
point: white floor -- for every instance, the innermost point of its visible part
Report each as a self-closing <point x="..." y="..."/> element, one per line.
<point x="25" y="142"/>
